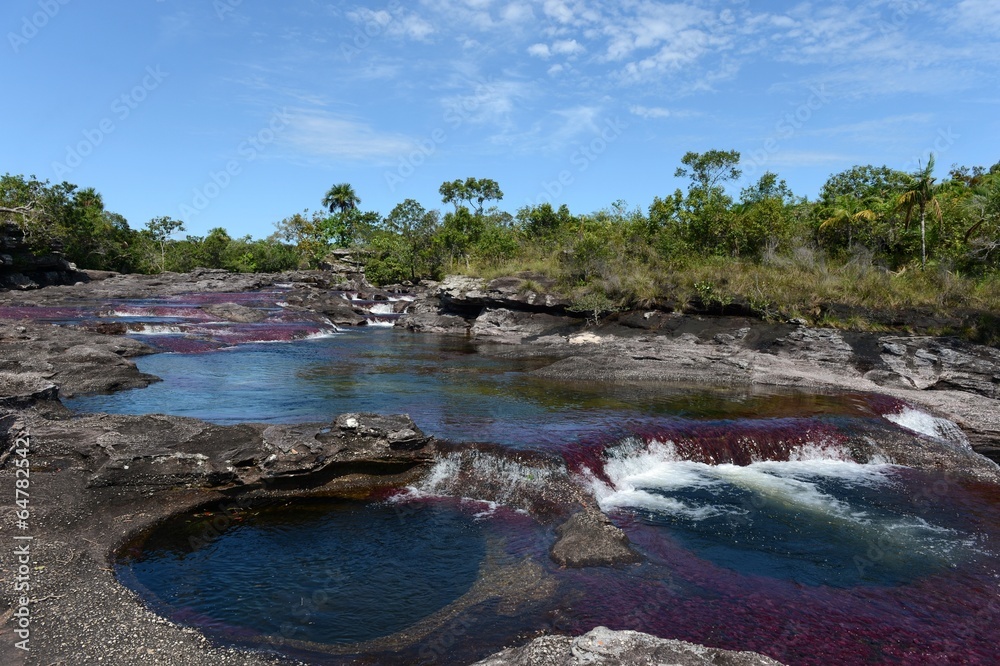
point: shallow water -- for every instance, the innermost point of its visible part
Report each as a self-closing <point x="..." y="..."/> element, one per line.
<point x="759" y="528"/>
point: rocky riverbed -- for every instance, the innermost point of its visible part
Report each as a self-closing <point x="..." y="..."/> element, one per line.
<point x="96" y="480"/>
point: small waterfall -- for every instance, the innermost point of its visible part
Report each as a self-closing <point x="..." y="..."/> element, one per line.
<point x="931" y="426"/>
<point x="737" y="442"/>
<point x="773" y="504"/>
<point x="527" y="483"/>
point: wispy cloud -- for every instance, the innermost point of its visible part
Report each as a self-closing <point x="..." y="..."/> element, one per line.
<point x="316" y="133"/>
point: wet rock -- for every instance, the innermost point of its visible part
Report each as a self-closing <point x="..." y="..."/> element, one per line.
<point x="588" y="539"/>
<point x="236" y="313"/>
<point x="603" y="647"/>
<point x="426" y="315"/>
<point x="339" y="311"/>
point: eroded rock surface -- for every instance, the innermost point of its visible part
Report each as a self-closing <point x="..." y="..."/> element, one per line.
<point x="604" y="647"/>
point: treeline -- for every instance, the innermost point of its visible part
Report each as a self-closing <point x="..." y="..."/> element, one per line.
<point x="74" y="221"/>
<point x="873" y="219"/>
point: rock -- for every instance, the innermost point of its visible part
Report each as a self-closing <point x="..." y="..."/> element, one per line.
<point x="588" y="539"/>
<point x="942" y="363"/>
<point x="603" y="647"/>
<point x="23" y="389"/>
<point x="236" y="313"/>
<point x="469" y="296"/>
<point x="21" y="269"/>
<point x="76" y="361"/>
<point x="425" y="315"/>
<point x="506" y="326"/>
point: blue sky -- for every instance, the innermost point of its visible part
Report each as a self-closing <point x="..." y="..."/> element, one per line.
<point x="237" y="113"/>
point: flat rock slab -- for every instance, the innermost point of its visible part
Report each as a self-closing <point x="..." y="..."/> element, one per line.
<point x="604" y="647"/>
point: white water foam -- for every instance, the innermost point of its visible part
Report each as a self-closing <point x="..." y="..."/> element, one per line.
<point x="158" y="329"/>
<point x="656" y="479"/>
<point x="460" y="473"/>
<point x="644" y="477"/>
<point x="381" y="309"/>
<point x="323" y="335"/>
<point x="382" y="324"/>
<point x="125" y="314"/>
<point x="931" y="426"/>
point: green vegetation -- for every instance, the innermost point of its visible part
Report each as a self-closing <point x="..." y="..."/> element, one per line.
<point x="874" y="241"/>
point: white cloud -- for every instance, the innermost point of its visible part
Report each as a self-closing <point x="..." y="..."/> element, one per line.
<point x="539" y="50"/>
<point x="650" y="112"/>
<point x="567" y="47"/>
<point x="558" y="10"/>
<point x="978" y="16"/>
<point x="490" y="101"/>
<point x="321" y="134"/>
<point x="517" y="12"/>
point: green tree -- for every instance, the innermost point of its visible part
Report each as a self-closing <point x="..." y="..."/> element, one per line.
<point x="920" y="193"/>
<point x="414" y="227"/>
<point x="708" y="171"/>
<point x="848" y="214"/>
<point x="160" y="229"/>
<point x="707" y="214"/>
<point x="479" y="190"/>
<point x="341" y="197"/>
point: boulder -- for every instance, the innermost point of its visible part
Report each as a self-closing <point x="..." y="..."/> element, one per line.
<point x="588" y="539"/>
<point x="236" y="313"/>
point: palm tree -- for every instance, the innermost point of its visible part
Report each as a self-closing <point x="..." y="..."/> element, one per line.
<point x="342" y="197"/>
<point x="920" y="194"/>
<point x="848" y="212"/>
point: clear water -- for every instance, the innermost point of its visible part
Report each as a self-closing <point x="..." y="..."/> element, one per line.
<point x="758" y="529"/>
<point x="442" y="383"/>
<point x="319" y="571"/>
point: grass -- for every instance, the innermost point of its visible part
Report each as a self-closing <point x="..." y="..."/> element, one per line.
<point x="851" y="295"/>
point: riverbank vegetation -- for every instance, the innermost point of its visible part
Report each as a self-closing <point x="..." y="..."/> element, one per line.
<point x="874" y="241"/>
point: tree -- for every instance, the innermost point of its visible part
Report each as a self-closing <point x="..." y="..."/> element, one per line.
<point x="160" y="229"/>
<point x="920" y="194"/>
<point x="706" y="215"/>
<point x="414" y="227"/>
<point x="305" y="232"/>
<point x="341" y="197"/>
<point x="708" y="171"/>
<point x="479" y="190"/>
<point x="848" y="213"/>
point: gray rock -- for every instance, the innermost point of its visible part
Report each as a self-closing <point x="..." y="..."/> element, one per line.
<point x="603" y="647"/>
<point x="507" y="326"/>
<point x="588" y="539"/>
<point x="236" y="313"/>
